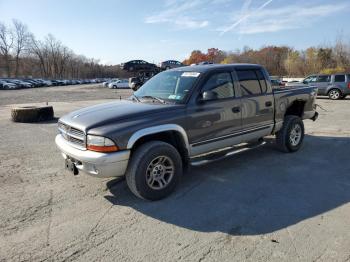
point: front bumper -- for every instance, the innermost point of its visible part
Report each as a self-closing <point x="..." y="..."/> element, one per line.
<point x="94" y="163"/>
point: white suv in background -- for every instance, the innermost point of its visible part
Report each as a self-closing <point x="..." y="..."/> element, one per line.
<point x="122" y="83"/>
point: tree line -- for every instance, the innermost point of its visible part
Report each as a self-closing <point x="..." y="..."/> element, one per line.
<point x="284" y="60"/>
<point x="23" y="55"/>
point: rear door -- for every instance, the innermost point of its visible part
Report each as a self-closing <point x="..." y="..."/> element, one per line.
<point x="340" y="82"/>
<point x="257" y="100"/>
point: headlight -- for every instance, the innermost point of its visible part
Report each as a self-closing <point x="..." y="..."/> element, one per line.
<point x="100" y="144"/>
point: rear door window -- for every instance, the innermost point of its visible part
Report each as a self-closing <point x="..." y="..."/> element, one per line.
<point x="324" y="78"/>
<point x="262" y="81"/>
<point x="249" y="83"/>
<point x="339" y="78"/>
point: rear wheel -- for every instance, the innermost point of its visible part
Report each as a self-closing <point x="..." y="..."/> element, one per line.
<point x="154" y="170"/>
<point x="334" y="94"/>
<point x="291" y="135"/>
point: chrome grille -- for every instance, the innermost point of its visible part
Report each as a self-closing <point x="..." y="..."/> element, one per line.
<point x="72" y="135"/>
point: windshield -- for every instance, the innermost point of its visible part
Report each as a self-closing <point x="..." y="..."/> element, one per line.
<point x="169" y="85"/>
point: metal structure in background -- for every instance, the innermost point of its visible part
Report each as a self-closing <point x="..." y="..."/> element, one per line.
<point x="141" y="77"/>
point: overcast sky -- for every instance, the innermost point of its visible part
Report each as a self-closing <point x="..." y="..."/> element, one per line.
<point x="116" y="31"/>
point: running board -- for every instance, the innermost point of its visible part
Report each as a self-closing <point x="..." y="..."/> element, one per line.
<point x="224" y="153"/>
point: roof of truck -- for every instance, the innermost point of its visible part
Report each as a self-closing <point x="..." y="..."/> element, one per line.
<point x="209" y="67"/>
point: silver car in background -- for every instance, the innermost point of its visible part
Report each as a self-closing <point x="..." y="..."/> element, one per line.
<point x="106" y="83"/>
<point x="335" y="86"/>
<point x="121" y="83"/>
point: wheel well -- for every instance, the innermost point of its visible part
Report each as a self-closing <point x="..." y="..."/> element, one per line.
<point x="335" y="88"/>
<point x="296" y="108"/>
<point x="171" y="137"/>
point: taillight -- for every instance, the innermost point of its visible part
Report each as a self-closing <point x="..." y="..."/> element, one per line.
<point x="349" y="85"/>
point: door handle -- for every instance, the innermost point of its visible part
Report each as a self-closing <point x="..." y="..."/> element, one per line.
<point x="268" y="103"/>
<point x="236" y="109"/>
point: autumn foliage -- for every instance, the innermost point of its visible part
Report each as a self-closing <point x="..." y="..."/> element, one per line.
<point x="283" y="60"/>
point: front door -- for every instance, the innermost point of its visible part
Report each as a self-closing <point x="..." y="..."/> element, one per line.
<point x="214" y="121"/>
<point x="322" y="82"/>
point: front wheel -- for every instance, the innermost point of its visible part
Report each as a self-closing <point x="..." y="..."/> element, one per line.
<point x="291" y="136"/>
<point x="154" y="170"/>
<point x="334" y="94"/>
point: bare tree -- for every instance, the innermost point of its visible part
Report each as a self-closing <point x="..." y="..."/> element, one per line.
<point x="341" y="52"/>
<point x="22" y="38"/>
<point x="39" y="53"/>
<point x="6" y="44"/>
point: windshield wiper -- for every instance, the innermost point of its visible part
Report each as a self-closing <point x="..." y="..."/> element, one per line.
<point x="156" y="98"/>
<point x="135" y="97"/>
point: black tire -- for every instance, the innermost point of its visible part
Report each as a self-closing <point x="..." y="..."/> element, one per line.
<point x="334" y="94"/>
<point x="30" y="114"/>
<point x="283" y="136"/>
<point x="141" y="160"/>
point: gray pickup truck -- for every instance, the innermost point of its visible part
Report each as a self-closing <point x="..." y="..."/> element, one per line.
<point x="185" y="116"/>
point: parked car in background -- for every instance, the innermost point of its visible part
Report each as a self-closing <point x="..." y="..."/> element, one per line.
<point x="7" y="85"/>
<point x="170" y="64"/>
<point x="135" y="65"/>
<point x="16" y="83"/>
<point x="21" y="83"/>
<point x="135" y="83"/>
<point x="106" y="83"/>
<point x="122" y="83"/>
<point x="335" y="86"/>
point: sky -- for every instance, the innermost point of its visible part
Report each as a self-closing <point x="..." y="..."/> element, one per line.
<point x="116" y="31"/>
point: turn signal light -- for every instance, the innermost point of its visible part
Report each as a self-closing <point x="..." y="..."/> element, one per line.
<point x="103" y="149"/>
<point x="100" y="144"/>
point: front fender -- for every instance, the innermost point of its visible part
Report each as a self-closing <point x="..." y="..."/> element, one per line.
<point x="158" y="129"/>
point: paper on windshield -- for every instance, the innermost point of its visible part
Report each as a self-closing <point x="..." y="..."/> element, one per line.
<point x="190" y="74"/>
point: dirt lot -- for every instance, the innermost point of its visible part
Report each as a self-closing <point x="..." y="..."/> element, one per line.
<point x="262" y="205"/>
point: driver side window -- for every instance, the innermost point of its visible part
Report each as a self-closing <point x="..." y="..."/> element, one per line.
<point x="221" y="85"/>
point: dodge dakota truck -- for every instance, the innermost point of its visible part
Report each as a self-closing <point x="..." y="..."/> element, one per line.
<point x="185" y="116"/>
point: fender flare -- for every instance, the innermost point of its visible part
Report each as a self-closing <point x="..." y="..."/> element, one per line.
<point x="158" y="129"/>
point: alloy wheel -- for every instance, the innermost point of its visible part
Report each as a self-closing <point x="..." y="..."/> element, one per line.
<point x="295" y="135"/>
<point x="160" y="172"/>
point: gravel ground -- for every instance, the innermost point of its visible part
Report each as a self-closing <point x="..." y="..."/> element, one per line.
<point x="61" y="93"/>
<point x="262" y="205"/>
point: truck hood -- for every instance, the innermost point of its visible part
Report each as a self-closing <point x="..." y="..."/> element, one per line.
<point x="107" y="113"/>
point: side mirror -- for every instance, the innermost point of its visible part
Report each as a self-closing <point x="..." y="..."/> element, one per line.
<point x="208" y="95"/>
<point x="304" y="82"/>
